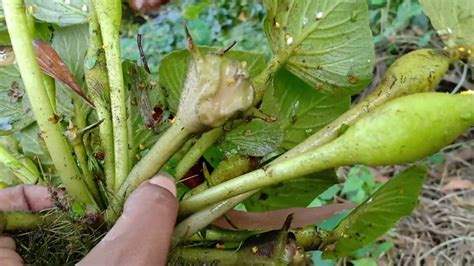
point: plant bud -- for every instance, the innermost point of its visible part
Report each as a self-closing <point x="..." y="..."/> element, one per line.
<point x="216" y="88"/>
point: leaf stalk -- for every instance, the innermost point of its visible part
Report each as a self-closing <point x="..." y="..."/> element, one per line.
<point x="109" y="14"/>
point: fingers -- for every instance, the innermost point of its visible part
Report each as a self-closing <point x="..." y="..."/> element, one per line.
<point x="25" y="198"/>
<point x="7" y="242"/>
<point x="142" y="235"/>
<point x="9" y="257"/>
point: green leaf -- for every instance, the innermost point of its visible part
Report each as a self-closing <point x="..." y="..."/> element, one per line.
<point x="394" y="200"/>
<point x="383" y="248"/>
<point x="453" y="20"/>
<point x="3" y="24"/>
<point x="302" y="110"/>
<point x="318" y="260"/>
<point x="192" y="11"/>
<point x="78" y="209"/>
<point x="332" y="222"/>
<point x="330" y="192"/>
<point x="362" y="252"/>
<point x="61" y="12"/>
<point x="298" y="192"/>
<point x="352" y="183"/>
<point x="436" y="158"/>
<point x="325" y="43"/>
<point x="377" y="2"/>
<point x="256" y="138"/>
<point x="174" y="67"/>
<point x="358" y="176"/>
<point x="364" y="262"/>
<point x="213" y="156"/>
<point x="71" y="44"/>
<point x="200" y="31"/>
<point x="6" y="175"/>
<point x="45" y="31"/>
<point x="15" y="111"/>
<point x="33" y="147"/>
<point x="31" y="144"/>
<point x="4" y="37"/>
<point x="405" y="12"/>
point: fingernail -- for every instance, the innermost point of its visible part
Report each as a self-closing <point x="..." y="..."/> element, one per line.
<point x="164" y="181"/>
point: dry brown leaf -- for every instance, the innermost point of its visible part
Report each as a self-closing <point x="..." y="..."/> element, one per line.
<point x="273" y="220"/>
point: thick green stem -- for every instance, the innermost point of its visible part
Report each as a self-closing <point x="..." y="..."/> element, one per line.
<point x="164" y="148"/>
<point x="203" y="218"/>
<point x="310" y="237"/>
<point x="81" y="154"/>
<point x="50" y="90"/>
<point x="107" y="143"/>
<point x="51" y="131"/>
<point x="202" y="144"/>
<point x="109" y="14"/>
<point x="23" y="174"/>
<point x="98" y="84"/>
<point x="215" y="235"/>
<point x="15" y="221"/>
<point x="262" y="80"/>
<point x="49" y="83"/>
<point x="300" y="165"/>
<point x="204" y="256"/>
<point x="132" y="152"/>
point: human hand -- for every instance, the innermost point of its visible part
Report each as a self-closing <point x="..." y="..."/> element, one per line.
<point x="141" y="236"/>
<point x="20" y="198"/>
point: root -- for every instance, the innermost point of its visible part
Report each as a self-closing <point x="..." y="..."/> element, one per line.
<point x="63" y="242"/>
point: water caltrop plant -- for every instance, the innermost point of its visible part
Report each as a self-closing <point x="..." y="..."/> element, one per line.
<point x="270" y="132"/>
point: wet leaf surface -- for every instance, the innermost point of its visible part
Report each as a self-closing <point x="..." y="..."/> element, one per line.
<point x="328" y="43"/>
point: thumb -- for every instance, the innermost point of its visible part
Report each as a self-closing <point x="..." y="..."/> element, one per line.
<point x="142" y="234"/>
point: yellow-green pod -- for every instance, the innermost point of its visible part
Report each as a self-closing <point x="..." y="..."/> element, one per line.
<point x="231" y="167"/>
<point x="401" y="131"/>
<point x="418" y="71"/>
<point x="408" y="129"/>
